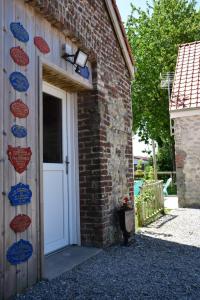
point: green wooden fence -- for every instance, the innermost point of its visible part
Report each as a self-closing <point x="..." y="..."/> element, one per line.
<point x="150" y="203"/>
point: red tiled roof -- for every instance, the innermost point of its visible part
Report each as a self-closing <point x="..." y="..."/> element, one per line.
<point x="122" y="29"/>
<point x="142" y="157"/>
<point x="186" y="87"/>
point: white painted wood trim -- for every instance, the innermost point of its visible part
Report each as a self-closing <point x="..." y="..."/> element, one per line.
<point x="73" y="178"/>
<point x="184" y="113"/>
<point x="40" y="182"/>
<point x="2" y="225"/>
<point x="120" y="37"/>
<point x="77" y="170"/>
<point x="68" y="75"/>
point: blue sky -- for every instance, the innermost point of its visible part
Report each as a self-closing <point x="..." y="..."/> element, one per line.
<point x="125" y="9"/>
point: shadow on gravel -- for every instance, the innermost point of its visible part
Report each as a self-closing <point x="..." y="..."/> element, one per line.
<point x="149" y="269"/>
<point x="162" y="221"/>
<point x="156" y="234"/>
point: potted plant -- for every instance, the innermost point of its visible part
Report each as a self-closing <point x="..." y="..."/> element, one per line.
<point x="125" y="214"/>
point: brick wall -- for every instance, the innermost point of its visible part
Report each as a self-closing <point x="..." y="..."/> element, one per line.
<point x="105" y="118"/>
<point x="187" y="147"/>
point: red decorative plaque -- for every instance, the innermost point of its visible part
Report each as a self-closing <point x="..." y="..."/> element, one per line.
<point x="19" y="157"/>
<point x="19" y="56"/>
<point x="41" y="44"/>
<point x="19" y="109"/>
<point x="20" y="223"/>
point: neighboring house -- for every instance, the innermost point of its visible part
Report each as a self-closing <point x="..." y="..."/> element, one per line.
<point x="68" y="140"/>
<point x="140" y="158"/>
<point x="185" y="113"/>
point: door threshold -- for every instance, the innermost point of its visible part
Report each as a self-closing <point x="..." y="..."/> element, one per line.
<point x="58" y="251"/>
<point x="59" y="262"/>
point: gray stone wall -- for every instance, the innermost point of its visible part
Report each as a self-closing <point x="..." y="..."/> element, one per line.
<point x="187" y="148"/>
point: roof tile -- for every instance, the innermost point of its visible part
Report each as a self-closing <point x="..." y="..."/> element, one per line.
<point x="186" y="87"/>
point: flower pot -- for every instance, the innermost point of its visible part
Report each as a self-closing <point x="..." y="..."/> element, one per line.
<point x="126" y="222"/>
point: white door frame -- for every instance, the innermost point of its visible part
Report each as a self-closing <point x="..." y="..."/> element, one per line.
<point x="51" y="168"/>
<point x="73" y="209"/>
<point x="73" y="179"/>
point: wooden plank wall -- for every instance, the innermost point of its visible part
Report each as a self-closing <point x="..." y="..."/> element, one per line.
<point x="10" y="280"/>
<point x="1" y="153"/>
<point x="14" y="279"/>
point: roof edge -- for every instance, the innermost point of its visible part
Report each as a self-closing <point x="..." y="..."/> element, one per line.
<point x="121" y="34"/>
<point x="187" y="44"/>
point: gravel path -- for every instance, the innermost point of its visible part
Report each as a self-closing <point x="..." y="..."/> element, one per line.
<point x="163" y="262"/>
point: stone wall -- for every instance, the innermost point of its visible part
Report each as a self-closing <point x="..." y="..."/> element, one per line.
<point x="105" y="117"/>
<point x="187" y="147"/>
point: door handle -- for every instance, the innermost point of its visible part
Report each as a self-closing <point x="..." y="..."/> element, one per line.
<point x="67" y="164"/>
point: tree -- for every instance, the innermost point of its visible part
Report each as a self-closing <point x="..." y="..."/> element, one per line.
<point x="154" y="37"/>
<point x="164" y="158"/>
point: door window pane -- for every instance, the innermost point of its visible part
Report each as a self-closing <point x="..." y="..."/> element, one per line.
<point x="52" y="129"/>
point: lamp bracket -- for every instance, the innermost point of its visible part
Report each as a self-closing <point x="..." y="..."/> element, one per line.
<point x="79" y="59"/>
<point x="67" y="56"/>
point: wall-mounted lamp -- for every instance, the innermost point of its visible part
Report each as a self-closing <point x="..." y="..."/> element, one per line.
<point x="79" y="59"/>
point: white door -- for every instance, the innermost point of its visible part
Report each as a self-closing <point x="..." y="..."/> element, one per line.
<point x="55" y="169"/>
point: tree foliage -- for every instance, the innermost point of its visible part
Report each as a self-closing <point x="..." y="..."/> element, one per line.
<point x="139" y="164"/>
<point x="154" y="36"/>
<point x="165" y="158"/>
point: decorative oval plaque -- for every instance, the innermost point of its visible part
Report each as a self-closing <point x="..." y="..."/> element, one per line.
<point x="19" y="157"/>
<point x="20" y="194"/>
<point x="19" y="32"/>
<point x="19" y="252"/>
<point x="20" y="223"/>
<point x="19" y="56"/>
<point x="19" y="81"/>
<point x="19" y="109"/>
<point x="19" y="131"/>
<point x="41" y="44"/>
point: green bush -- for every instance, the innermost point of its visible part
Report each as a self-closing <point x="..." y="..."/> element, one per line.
<point x="172" y="189"/>
<point x="147" y="195"/>
<point x="146" y="172"/>
<point x="139" y="174"/>
<point x="149" y="173"/>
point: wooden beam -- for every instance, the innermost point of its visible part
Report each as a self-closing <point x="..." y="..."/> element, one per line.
<point x="120" y="36"/>
<point x="63" y="79"/>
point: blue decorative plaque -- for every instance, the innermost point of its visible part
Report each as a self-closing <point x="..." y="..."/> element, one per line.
<point x="20" y="194"/>
<point x="19" y="81"/>
<point x="19" y="32"/>
<point x="19" y="252"/>
<point x="84" y="72"/>
<point x="19" y="131"/>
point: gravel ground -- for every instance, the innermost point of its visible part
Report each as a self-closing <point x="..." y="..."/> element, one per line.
<point x="163" y="262"/>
